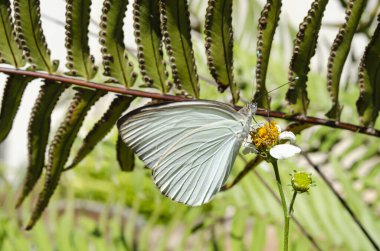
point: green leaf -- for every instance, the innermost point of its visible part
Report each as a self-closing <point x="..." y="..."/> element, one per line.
<point x="125" y="156"/>
<point x="219" y="45"/>
<point x="12" y="95"/>
<point x="339" y="52"/>
<point x="270" y="15"/>
<point x="10" y="53"/>
<point x="79" y="60"/>
<point x="60" y="147"/>
<point x="304" y="49"/>
<point x="175" y="26"/>
<point x="38" y="133"/>
<point x="298" y="127"/>
<point x="259" y="235"/>
<point x="41" y="238"/>
<point x="30" y="35"/>
<point x="368" y="104"/>
<point x="238" y="228"/>
<point x="111" y="37"/>
<point x="146" y="16"/>
<point x="102" y="127"/>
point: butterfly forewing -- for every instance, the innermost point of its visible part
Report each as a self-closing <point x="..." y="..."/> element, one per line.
<point x="191" y="146"/>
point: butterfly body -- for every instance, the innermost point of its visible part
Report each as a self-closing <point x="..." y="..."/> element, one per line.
<point x="190" y="146"/>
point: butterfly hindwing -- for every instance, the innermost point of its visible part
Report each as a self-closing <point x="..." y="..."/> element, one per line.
<point x="196" y="167"/>
<point x="191" y="146"/>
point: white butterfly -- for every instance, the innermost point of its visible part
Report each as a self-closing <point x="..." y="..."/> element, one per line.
<point x="190" y="146"/>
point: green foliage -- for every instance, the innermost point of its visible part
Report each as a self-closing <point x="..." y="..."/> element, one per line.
<point x="175" y="26"/>
<point x="342" y="163"/>
<point x="30" y="35"/>
<point x="148" y="38"/>
<point x="339" y="52"/>
<point x="79" y="61"/>
<point x="38" y="133"/>
<point x="9" y="49"/>
<point x="219" y="38"/>
<point x="240" y="217"/>
<point x="124" y="210"/>
<point x="125" y="156"/>
<point x="368" y="103"/>
<point x="115" y="57"/>
<point x="102" y="128"/>
<point x="305" y="45"/>
<point x="61" y="145"/>
<point x="268" y="22"/>
<point x="12" y="95"/>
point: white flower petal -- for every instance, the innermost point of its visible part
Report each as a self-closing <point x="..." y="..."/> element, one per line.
<point x="284" y="151"/>
<point x="279" y="128"/>
<point x="287" y="136"/>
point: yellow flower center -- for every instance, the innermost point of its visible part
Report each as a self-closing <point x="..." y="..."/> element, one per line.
<point x="266" y="136"/>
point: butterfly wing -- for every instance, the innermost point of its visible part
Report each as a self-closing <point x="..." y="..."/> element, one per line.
<point x="193" y="170"/>
<point x="191" y="146"/>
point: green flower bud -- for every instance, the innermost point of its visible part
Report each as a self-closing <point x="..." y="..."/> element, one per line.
<point x="301" y="181"/>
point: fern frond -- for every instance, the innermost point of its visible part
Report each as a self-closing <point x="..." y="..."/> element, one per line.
<point x="102" y="127"/>
<point x="175" y="27"/>
<point x="238" y="227"/>
<point x="13" y="91"/>
<point x="111" y="36"/>
<point x="268" y="22"/>
<point x="79" y="61"/>
<point x="368" y="104"/>
<point x="304" y="49"/>
<point x="146" y="16"/>
<point x="38" y="133"/>
<point x="219" y="45"/>
<point x="30" y="35"/>
<point x="125" y="156"/>
<point x="10" y="52"/>
<point x="60" y="147"/>
<point x="339" y="52"/>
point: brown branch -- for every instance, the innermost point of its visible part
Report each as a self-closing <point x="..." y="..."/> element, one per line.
<point x="124" y="91"/>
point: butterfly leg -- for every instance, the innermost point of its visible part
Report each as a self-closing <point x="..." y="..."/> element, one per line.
<point x="248" y="147"/>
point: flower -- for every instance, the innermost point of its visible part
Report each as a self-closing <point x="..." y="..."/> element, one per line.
<point x="301" y="181"/>
<point x="267" y="138"/>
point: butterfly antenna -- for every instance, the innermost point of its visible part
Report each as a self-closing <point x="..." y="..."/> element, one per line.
<point x="258" y="54"/>
<point x="278" y="87"/>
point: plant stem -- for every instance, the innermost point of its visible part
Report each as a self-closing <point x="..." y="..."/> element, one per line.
<point x="290" y="211"/>
<point x="283" y="203"/>
<point x="288" y="217"/>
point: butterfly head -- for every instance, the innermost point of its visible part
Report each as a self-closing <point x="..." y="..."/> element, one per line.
<point x="252" y="107"/>
<point x="249" y="110"/>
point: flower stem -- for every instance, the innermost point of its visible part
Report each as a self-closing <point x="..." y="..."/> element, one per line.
<point x="283" y="202"/>
<point x="287" y="219"/>
<point x="290" y="211"/>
